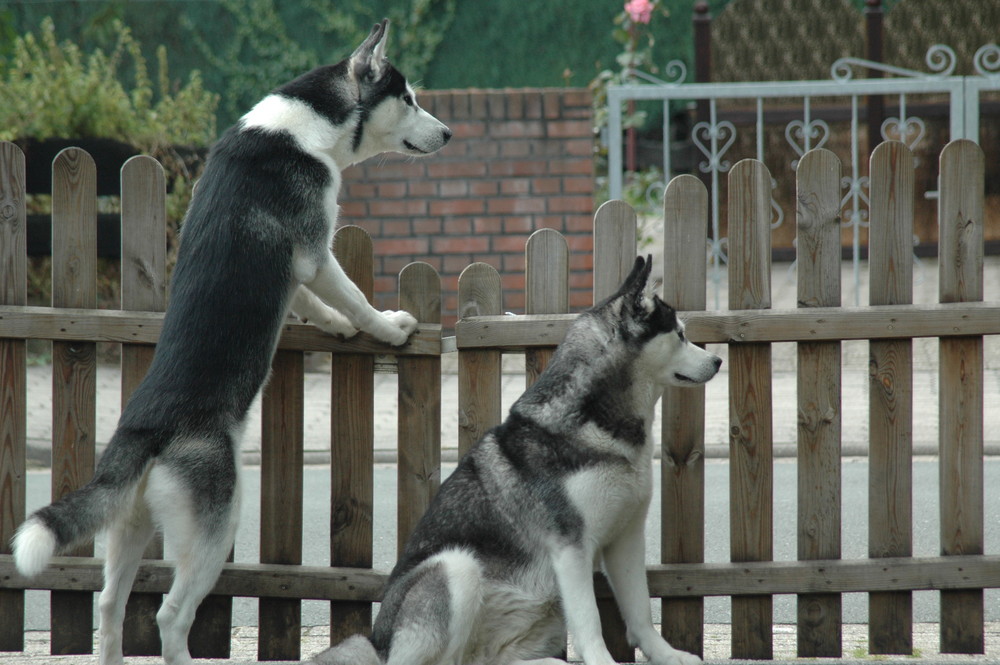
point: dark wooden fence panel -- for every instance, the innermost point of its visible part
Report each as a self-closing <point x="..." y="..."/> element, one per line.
<point x="143" y="287"/>
<point x="13" y="381"/>
<point x="751" y="483"/>
<point x="819" y="392"/>
<point x="682" y="515"/>
<point x="479" y="370"/>
<point x="890" y="519"/>
<point x="74" y="370"/>
<point x="960" y="215"/>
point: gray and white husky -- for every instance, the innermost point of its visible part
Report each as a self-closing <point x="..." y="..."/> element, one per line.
<point x="503" y="561"/>
<point x="255" y="243"/>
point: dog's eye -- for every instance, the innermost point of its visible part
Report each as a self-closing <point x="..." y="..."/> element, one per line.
<point x="680" y="334"/>
<point x="408" y="99"/>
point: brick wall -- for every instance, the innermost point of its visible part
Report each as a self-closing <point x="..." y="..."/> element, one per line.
<point x="520" y="160"/>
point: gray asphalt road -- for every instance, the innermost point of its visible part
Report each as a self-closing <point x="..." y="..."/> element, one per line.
<point x="855" y="498"/>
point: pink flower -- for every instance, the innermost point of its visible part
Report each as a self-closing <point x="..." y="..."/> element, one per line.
<point x="640" y="11"/>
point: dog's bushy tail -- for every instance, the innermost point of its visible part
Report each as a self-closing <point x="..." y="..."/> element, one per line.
<point x="76" y="517"/>
<point x="355" y="650"/>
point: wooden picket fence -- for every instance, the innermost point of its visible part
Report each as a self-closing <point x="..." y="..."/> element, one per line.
<point x="483" y="335"/>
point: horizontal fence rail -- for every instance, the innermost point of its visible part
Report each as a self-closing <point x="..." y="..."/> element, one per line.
<point x="681" y="578"/>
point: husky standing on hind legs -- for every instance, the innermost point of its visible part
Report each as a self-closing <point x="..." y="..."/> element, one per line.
<point x="505" y="555"/>
<point x="256" y="241"/>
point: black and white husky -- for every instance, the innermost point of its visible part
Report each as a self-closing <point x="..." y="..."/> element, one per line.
<point x="503" y="561"/>
<point x="255" y="243"/>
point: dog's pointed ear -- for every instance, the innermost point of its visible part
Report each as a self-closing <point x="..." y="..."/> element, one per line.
<point x="368" y="60"/>
<point x="635" y="283"/>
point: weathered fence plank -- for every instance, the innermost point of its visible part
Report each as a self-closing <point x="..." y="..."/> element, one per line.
<point x="352" y="442"/>
<point x="479" y="370"/>
<point x="682" y="461"/>
<point x="143" y="287"/>
<point x="750" y="440"/>
<point x="419" y="424"/>
<point x="13" y="380"/>
<point x="281" y="472"/>
<point x="614" y="256"/>
<point x="74" y="370"/>
<point x="546" y="289"/>
<point x="818" y="380"/>
<point x="890" y="531"/>
<point x="960" y="215"/>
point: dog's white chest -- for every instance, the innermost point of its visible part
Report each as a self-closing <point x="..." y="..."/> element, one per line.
<point x="609" y="497"/>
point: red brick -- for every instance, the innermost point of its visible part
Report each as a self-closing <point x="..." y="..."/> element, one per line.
<point x="483" y="188"/>
<point x="397" y="208"/>
<point x="487" y="225"/>
<point x="428" y="226"/>
<point x="484" y="150"/>
<point x="454" y="264"/>
<point x="515" y="103"/>
<point x="456" y="170"/>
<point x="562" y="129"/>
<point x="459" y="104"/>
<point x="354" y="209"/>
<point x="579" y="223"/>
<point x="546" y="185"/>
<point x="550" y="104"/>
<point x="422" y="188"/>
<point x="577" y="97"/>
<point x="453" y="188"/>
<point x="517" y="129"/>
<point x="580" y="243"/>
<point x="497" y="104"/>
<point x="399" y="228"/>
<point x="578" y="185"/>
<point x="397" y="246"/>
<point x="469" y="129"/>
<point x="515" y="186"/>
<point x="459" y="244"/>
<point x="457" y="226"/>
<point x="393" y="170"/>
<point x="515" y="206"/>
<point x="507" y="244"/>
<point x="533" y="104"/>
<point x="392" y="190"/>
<point x="521" y="167"/>
<point x="477" y="104"/>
<point x="571" y="166"/>
<point x="571" y="204"/>
<point x="457" y="207"/>
<point x="359" y="190"/>
<point x="523" y="224"/>
<point x="513" y="262"/>
<point x="583" y="147"/>
<point x="514" y="149"/>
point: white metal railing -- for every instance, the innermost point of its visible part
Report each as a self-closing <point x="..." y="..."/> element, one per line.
<point x="714" y="137"/>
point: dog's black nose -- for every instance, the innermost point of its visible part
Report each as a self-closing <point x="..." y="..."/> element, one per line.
<point x="446" y="134"/>
<point x="718" y="362"/>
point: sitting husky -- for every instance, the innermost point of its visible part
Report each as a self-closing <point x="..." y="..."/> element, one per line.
<point x="256" y="241"/>
<point x="504" y="558"/>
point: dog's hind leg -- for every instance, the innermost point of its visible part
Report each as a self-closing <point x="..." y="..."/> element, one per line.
<point x="196" y="499"/>
<point x="127" y="539"/>
<point x="435" y="610"/>
<point x="625" y="565"/>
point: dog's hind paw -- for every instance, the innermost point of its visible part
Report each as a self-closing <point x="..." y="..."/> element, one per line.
<point x="405" y="324"/>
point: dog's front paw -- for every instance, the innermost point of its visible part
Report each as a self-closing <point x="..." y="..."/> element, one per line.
<point x="678" y="657"/>
<point x="404" y="324"/>
<point x="333" y="322"/>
